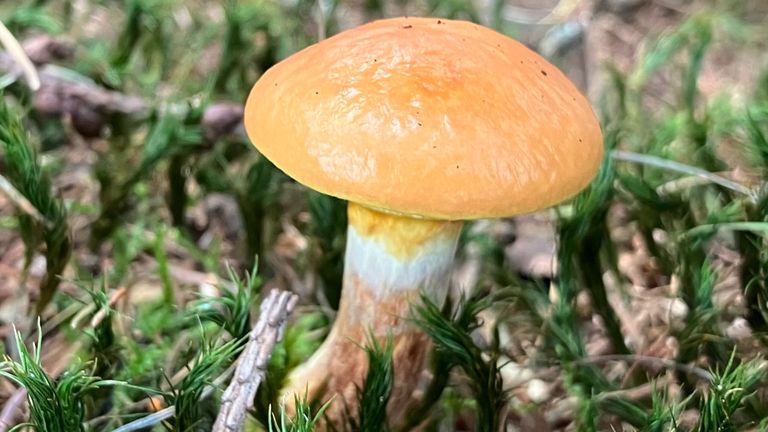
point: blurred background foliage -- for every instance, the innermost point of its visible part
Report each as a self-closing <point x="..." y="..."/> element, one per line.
<point x="142" y="226"/>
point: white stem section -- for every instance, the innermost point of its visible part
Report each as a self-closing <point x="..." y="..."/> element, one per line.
<point x="389" y="275"/>
<point x="386" y="277"/>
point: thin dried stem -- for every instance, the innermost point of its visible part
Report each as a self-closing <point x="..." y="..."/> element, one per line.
<point x="670" y="165"/>
<point x="20" y="201"/>
<point x="250" y="371"/>
<point x="252" y="365"/>
<point x="17" y="52"/>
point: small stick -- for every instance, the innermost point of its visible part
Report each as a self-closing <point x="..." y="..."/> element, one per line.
<point x="21" y="202"/>
<point x="17" y="52"/>
<point x="251" y="368"/>
<point x="161" y="415"/>
<point x="252" y="364"/>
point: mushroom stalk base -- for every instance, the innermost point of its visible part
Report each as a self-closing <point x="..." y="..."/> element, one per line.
<point x="389" y="261"/>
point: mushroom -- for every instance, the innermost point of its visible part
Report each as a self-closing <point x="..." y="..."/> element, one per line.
<point x="420" y="124"/>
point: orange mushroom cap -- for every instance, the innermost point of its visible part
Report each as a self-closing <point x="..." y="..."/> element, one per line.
<point x="427" y="117"/>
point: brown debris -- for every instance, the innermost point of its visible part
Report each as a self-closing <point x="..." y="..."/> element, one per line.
<point x="252" y="364"/>
<point x="89" y="104"/>
<point x="533" y="252"/>
<point x="44" y="48"/>
<point x="221" y="119"/>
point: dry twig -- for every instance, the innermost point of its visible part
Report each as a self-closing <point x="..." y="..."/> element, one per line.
<point x="252" y="365"/>
<point x="22" y="60"/>
<point x="20" y="201"/>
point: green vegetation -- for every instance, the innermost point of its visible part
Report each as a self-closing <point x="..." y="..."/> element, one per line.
<point x="150" y="211"/>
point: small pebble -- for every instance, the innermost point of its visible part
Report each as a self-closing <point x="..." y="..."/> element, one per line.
<point x="513" y="374"/>
<point x="538" y="391"/>
<point x="739" y="329"/>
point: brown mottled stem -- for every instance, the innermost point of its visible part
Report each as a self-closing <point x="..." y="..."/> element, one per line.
<point x="389" y="260"/>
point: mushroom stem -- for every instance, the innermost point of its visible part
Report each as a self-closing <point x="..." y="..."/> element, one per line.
<point x="390" y="259"/>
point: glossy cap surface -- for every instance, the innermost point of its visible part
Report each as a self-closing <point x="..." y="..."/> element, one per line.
<point x="425" y="116"/>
